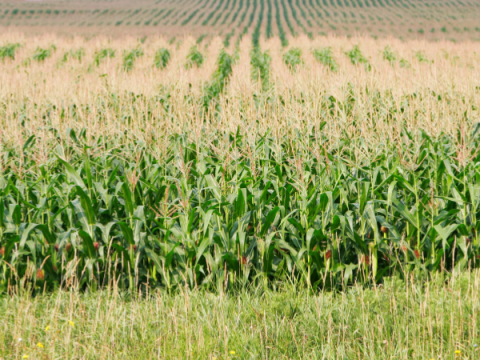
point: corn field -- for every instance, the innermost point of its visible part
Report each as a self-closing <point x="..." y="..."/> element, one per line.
<point x="323" y="162"/>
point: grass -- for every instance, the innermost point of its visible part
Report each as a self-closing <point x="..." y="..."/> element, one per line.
<point x="437" y="319"/>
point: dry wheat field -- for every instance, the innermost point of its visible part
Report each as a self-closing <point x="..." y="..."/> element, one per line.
<point x="249" y="183"/>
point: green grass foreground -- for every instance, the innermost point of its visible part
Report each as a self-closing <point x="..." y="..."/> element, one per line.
<point x="399" y="320"/>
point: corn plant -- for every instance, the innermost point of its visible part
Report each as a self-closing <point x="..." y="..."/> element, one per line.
<point x="194" y="58"/>
<point x="256" y="31"/>
<point x="129" y="58"/>
<point x="162" y="57"/>
<point x="41" y="54"/>
<point x="389" y="55"/>
<point x="220" y="78"/>
<point x="293" y="58"/>
<point x="325" y="57"/>
<point x="216" y="185"/>
<point x="356" y="58"/>
<point x="260" y="63"/>
<point x="105" y="53"/>
<point x="226" y="42"/>
<point x="8" y="51"/>
<point x="404" y="63"/>
<point x="74" y="54"/>
<point x="208" y="219"/>
<point x="281" y="31"/>
<point x="420" y="56"/>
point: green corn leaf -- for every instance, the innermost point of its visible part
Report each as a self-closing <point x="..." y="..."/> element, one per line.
<point x="127" y="197"/>
<point x="348" y="273"/>
<point x="405" y="184"/>
<point x="17" y="215"/>
<point x="2" y="213"/>
<point x="169" y="257"/>
<point x="51" y="239"/>
<point x="33" y="250"/>
<point x="73" y="174"/>
<point x="10" y="245"/>
<point x="86" y="205"/>
<point x="127" y="232"/>
<point x="445" y="233"/>
<point x="204" y="244"/>
<point x="297" y="225"/>
<point x="240" y="203"/>
<point x="364" y="196"/>
<point x="407" y="215"/>
<point x="26" y="234"/>
<point x="88" y="172"/>
<point x="213" y="186"/>
<point x="156" y="260"/>
<point x="88" y="246"/>
<point x="269" y="220"/>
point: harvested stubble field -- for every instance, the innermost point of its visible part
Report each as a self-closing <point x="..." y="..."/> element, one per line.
<point x="325" y="172"/>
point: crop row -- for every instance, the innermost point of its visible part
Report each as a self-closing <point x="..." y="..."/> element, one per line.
<point x="269" y="31"/>
<point x="210" y="13"/>
<point x="244" y="13"/>
<point x="221" y="13"/>
<point x="256" y="32"/>
<point x="330" y="202"/>
<point x="326" y="3"/>
<point x="287" y="18"/>
<point x="129" y="57"/>
<point x="280" y="208"/>
<point x="281" y="31"/>
<point x="234" y="3"/>
<point x="236" y="13"/>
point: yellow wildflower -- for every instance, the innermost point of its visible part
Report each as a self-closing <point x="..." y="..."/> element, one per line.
<point x="232" y="352"/>
<point x="25" y="356"/>
<point x="40" y="345"/>
<point x="71" y="323"/>
<point x="457" y="352"/>
<point x="47" y="328"/>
